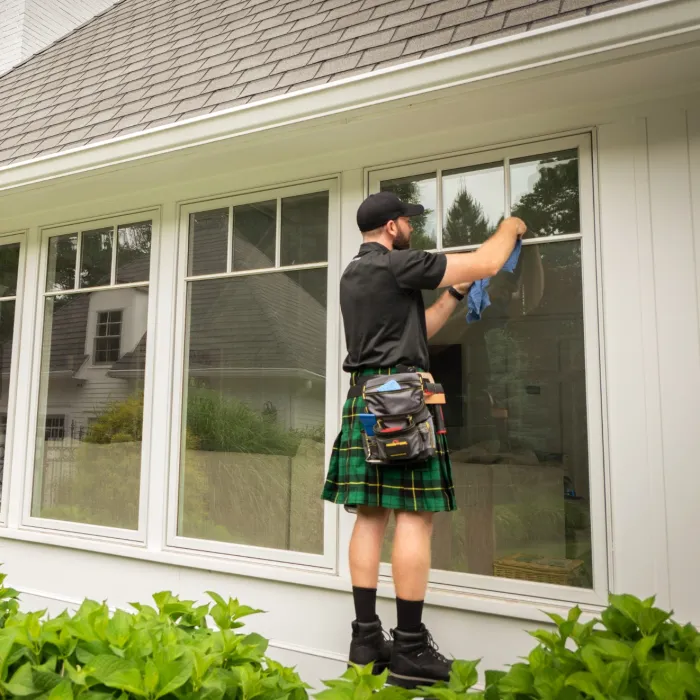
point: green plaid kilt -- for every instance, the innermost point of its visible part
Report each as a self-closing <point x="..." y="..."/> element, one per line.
<point x="352" y="482"/>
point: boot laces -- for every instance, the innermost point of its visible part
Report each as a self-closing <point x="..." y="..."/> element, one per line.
<point x="433" y="648"/>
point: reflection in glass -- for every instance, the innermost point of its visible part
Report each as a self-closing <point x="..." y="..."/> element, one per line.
<point x="545" y="193"/>
<point x="473" y="204"/>
<point x="61" y="265"/>
<point x="133" y="252"/>
<point x="7" y="325"/>
<point x="96" y="258"/>
<point x="254" y="231"/>
<point x="253" y="446"/>
<point x="89" y="431"/>
<point x="9" y="265"/>
<point x="418" y="189"/>
<point x="516" y="420"/>
<point x="208" y="241"/>
<point x="304" y="229"/>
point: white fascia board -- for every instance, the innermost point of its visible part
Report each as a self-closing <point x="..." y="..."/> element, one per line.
<point x="628" y="30"/>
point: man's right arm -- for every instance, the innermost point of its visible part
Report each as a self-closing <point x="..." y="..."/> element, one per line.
<point x="488" y="259"/>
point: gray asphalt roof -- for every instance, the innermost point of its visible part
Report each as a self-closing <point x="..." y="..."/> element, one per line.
<point x="146" y="63"/>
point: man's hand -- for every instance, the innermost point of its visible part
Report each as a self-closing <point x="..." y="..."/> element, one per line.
<point x="488" y="259"/>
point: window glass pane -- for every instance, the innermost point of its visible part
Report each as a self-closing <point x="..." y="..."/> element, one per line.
<point x="88" y="463"/>
<point x="208" y="241"/>
<point x="9" y="264"/>
<point x="7" y="325"/>
<point x="61" y="266"/>
<point x="254" y="231"/>
<point x="545" y="193"/>
<point x="134" y="253"/>
<point x="253" y="462"/>
<point x="304" y="229"/>
<point x="419" y="189"/>
<point x="96" y="258"/>
<point x="516" y="422"/>
<point x="473" y="204"/>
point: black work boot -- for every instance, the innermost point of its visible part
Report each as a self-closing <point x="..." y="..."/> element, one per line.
<point x="416" y="661"/>
<point x="369" y="645"/>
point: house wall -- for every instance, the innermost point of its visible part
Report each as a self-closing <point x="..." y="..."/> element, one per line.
<point x="647" y="202"/>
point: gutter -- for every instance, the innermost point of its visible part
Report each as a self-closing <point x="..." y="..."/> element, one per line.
<point x="627" y="31"/>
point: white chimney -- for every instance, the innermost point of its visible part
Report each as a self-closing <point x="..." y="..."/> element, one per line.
<point x="28" y="26"/>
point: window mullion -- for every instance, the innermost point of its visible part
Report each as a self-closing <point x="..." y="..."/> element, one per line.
<point x="506" y="204"/>
<point x="78" y="260"/>
<point x="438" y="206"/>
<point x="115" y="243"/>
<point x="278" y="233"/>
<point x="229" y="236"/>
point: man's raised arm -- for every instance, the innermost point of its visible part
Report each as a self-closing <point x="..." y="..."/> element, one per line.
<point x="488" y="259"/>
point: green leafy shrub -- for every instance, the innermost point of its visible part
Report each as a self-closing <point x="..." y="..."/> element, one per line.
<point x="634" y="651"/>
<point x="165" y="652"/>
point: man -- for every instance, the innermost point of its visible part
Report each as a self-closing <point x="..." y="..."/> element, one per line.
<point x="387" y="327"/>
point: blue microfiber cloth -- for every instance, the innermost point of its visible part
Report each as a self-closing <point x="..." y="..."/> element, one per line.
<point x="391" y="385"/>
<point x="478" y="298"/>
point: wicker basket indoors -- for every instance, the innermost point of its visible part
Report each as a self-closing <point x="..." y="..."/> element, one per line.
<point x="565" y="572"/>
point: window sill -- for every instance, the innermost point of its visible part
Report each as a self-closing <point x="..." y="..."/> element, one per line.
<point x="486" y="603"/>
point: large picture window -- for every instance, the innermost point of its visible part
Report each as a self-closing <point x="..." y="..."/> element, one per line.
<point x="516" y="380"/>
<point x="93" y="363"/>
<point x="253" y="436"/>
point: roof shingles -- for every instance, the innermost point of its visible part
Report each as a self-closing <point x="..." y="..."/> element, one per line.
<point x="146" y="63"/>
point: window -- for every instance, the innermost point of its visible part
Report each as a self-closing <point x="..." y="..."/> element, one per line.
<point x="253" y="449"/>
<point x="108" y="337"/>
<point x="516" y="380"/>
<point x="9" y="274"/>
<point x="93" y="369"/>
<point x="55" y="428"/>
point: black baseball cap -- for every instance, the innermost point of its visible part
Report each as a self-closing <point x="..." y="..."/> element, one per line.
<point x="382" y="207"/>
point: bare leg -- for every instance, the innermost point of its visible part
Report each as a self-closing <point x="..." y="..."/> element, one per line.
<point x="411" y="555"/>
<point x="366" y="546"/>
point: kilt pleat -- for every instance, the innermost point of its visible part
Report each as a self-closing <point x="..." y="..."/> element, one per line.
<point x="352" y="482"/>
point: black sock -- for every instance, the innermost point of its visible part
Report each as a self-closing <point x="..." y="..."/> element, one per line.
<point x="365" y="600"/>
<point x="409" y="614"/>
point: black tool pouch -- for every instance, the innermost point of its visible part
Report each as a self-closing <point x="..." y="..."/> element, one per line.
<point x="404" y="432"/>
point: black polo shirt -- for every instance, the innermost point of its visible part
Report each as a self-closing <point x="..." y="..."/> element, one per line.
<point x="382" y="306"/>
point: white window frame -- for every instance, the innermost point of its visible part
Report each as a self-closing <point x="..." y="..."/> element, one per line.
<point x="8" y="239"/>
<point x="138" y="536"/>
<point x="446" y="580"/>
<point x="94" y="361"/>
<point x="326" y="561"/>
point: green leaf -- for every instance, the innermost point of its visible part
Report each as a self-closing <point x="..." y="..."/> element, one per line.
<point x="150" y="677"/>
<point x="174" y="675"/>
<point x="612" y="648"/>
<point x="650" y="620"/>
<point x="642" y="648"/>
<point x="518" y="680"/>
<point x="257" y="641"/>
<point x="22" y="682"/>
<point x="628" y="605"/>
<point x="549" y="639"/>
<point x="673" y="679"/>
<point x="585" y="682"/>
<point x="76" y="677"/>
<point x="62" y="691"/>
<point x="116" y="673"/>
<point x="549" y="683"/>
<point x="118" y="629"/>
<point x="7" y="641"/>
<point x="463" y="675"/>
